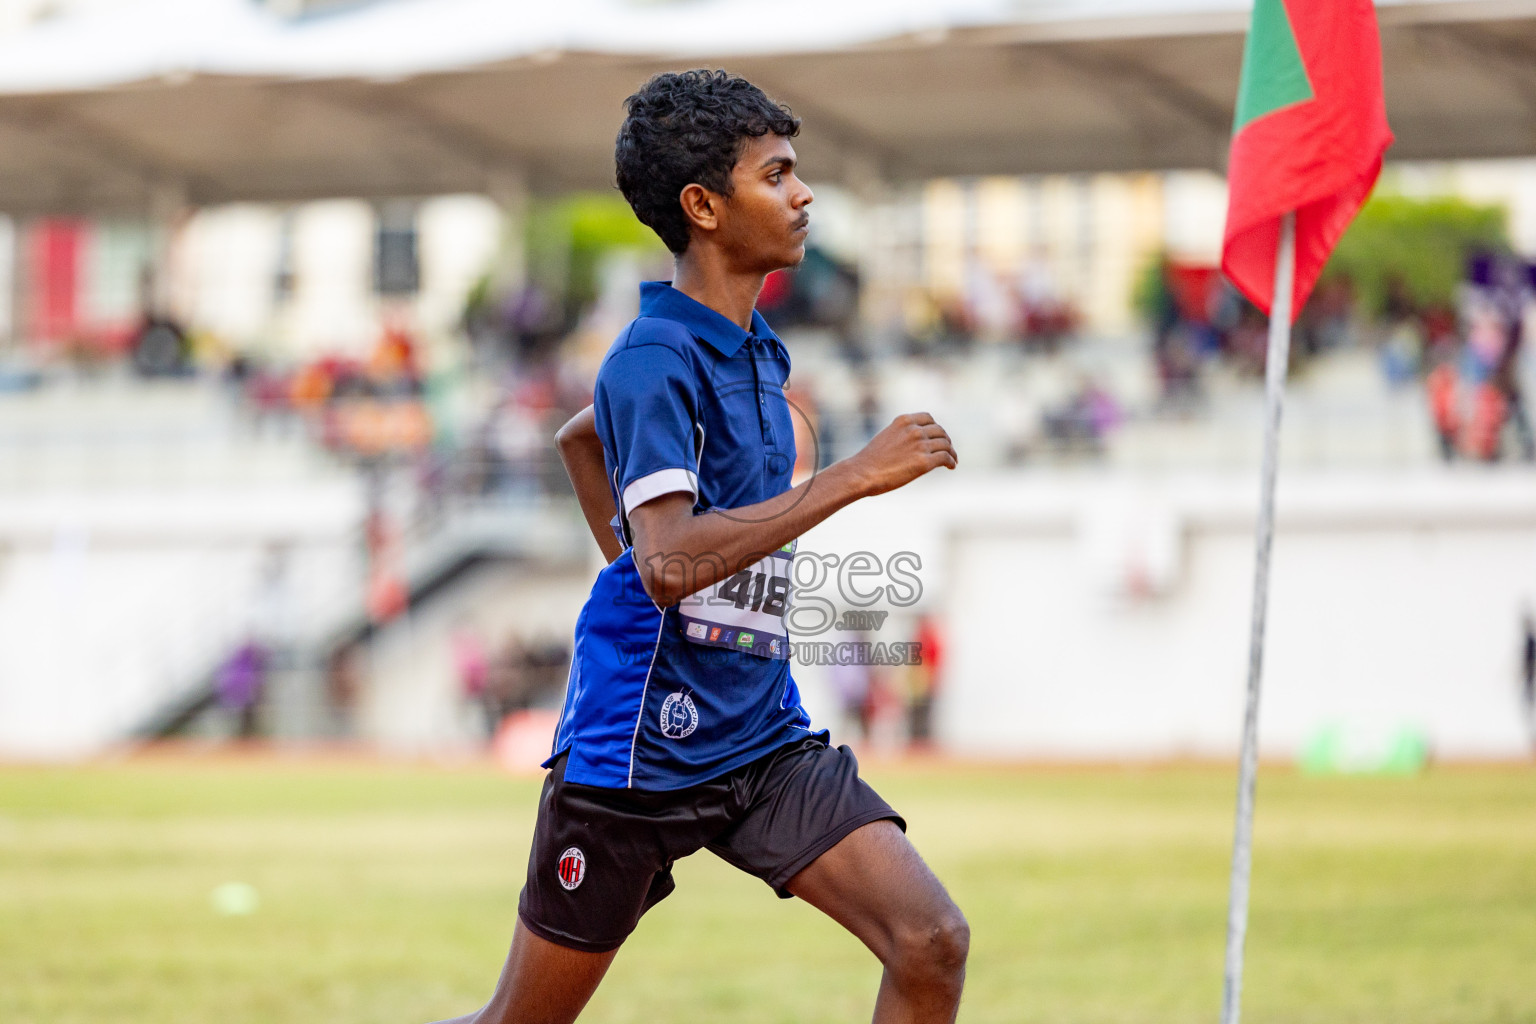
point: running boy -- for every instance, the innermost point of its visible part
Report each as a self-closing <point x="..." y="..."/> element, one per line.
<point x="682" y="727"/>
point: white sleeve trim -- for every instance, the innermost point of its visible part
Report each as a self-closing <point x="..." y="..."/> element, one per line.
<point x="663" y="481"/>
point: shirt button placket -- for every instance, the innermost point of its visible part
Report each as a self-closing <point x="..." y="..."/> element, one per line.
<point x="762" y="398"/>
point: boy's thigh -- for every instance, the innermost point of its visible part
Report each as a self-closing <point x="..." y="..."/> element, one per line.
<point x="601" y="858"/>
<point x="875" y="884"/>
<point x="803" y="801"/>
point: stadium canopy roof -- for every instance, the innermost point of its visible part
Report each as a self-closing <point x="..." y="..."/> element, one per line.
<point x="219" y="100"/>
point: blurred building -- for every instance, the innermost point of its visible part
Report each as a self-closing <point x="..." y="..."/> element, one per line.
<point x="292" y="281"/>
<point x="283" y="283"/>
<point x="1089" y="566"/>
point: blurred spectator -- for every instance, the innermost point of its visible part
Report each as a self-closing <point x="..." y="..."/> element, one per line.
<point x="1406" y="347"/>
<point x="1494" y="300"/>
<point x="472" y="666"/>
<point x="1045" y="317"/>
<point x="269" y="396"/>
<point x="821" y="292"/>
<point x="387" y="595"/>
<point x="851" y="684"/>
<point x="887" y="710"/>
<point x="1178" y="300"/>
<point x="524" y="673"/>
<point x="1246" y="345"/>
<point x="392" y="365"/>
<point x="1082" y="424"/>
<point x="313" y="384"/>
<point x="239" y="682"/>
<point x="507" y="682"/>
<point x="1512" y="292"/>
<point x="992" y="306"/>
<point x="546" y="661"/>
<point x="1485" y="422"/>
<point x="1528" y="672"/>
<point x="343" y="685"/>
<point x="158" y="345"/>
<point x="1324" y="323"/>
<point x="515" y="329"/>
<point x="1443" y="387"/>
<point x="923" y="681"/>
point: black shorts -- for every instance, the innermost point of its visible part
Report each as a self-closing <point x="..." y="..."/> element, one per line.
<point x="603" y="857"/>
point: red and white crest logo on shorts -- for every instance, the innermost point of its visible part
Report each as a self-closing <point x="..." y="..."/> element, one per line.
<point x="573" y="867"/>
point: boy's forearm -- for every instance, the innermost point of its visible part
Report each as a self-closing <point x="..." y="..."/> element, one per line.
<point x="683" y="554"/>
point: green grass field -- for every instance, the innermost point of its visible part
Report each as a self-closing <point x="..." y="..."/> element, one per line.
<point x="387" y="894"/>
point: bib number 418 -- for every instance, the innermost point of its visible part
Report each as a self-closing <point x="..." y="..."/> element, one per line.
<point x="757" y="591"/>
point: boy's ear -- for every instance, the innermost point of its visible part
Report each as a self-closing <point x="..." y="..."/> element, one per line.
<point x="701" y="207"/>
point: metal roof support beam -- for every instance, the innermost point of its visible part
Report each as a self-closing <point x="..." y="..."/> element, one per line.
<point x="488" y="156"/>
<point x="1145" y="90"/>
<point x="60" y="128"/>
<point x="1500" y="59"/>
<point x="864" y="159"/>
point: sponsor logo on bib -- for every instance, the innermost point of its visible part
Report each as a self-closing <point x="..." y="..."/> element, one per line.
<point x="573" y="867"/>
<point x="698" y="630"/>
<point x="679" y="716"/>
<point x="745" y="640"/>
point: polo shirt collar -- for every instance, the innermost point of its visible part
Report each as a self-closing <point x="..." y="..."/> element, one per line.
<point x="660" y="299"/>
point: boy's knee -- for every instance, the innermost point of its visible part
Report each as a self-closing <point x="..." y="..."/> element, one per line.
<point x="931" y="951"/>
<point x="950" y="940"/>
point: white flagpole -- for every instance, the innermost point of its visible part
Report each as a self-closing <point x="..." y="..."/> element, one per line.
<point x="1242" y="839"/>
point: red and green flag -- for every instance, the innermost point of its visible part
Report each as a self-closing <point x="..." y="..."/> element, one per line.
<point x="1310" y="131"/>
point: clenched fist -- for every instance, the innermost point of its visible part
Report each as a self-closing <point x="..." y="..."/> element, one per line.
<point x="912" y="445"/>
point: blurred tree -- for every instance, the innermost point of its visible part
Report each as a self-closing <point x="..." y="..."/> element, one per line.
<point x="1423" y="243"/>
<point x="568" y="237"/>
<point x="1149" y="290"/>
<point x="564" y="241"/>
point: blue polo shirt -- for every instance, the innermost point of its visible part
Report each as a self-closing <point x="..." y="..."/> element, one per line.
<point x="686" y="402"/>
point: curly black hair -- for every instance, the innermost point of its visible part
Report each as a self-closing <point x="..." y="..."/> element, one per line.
<point x="688" y="127"/>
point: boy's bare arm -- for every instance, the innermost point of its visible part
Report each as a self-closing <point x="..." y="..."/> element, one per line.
<point x="582" y="453"/>
<point x="680" y="553"/>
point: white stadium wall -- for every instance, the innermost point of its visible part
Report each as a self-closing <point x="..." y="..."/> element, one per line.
<point x="1095" y="618"/>
<point x="113" y="605"/>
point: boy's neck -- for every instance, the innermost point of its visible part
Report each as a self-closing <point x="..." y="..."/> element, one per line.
<point x="703" y="276"/>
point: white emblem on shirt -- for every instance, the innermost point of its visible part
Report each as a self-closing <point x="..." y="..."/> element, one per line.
<point x="679" y="716"/>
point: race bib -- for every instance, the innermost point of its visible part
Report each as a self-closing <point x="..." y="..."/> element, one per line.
<point x="746" y="612"/>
